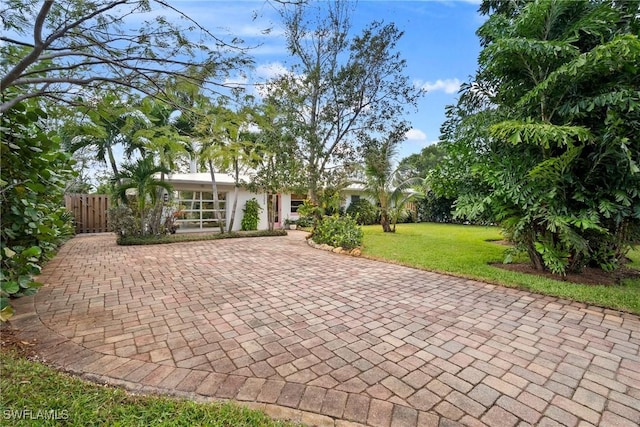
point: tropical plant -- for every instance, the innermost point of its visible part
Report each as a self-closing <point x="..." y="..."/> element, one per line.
<point x="34" y="172"/>
<point x="277" y="168"/>
<point x="385" y="184"/>
<point x="310" y="212"/>
<point x="141" y="177"/>
<point x="338" y="231"/>
<point x="544" y="140"/>
<point x="106" y="123"/>
<point x="363" y="211"/>
<point x="163" y="138"/>
<point x="251" y="215"/>
<point x="237" y="150"/>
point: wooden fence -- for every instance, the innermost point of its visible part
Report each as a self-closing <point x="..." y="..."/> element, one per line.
<point x="89" y="211"/>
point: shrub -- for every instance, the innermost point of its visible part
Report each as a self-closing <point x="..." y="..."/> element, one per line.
<point x="34" y="174"/>
<point x="123" y="221"/>
<point x="434" y="208"/>
<point x="363" y="211"/>
<point x="305" y="222"/>
<point x="338" y="231"/>
<point x="308" y="213"/>
<point x="251" y="215"/>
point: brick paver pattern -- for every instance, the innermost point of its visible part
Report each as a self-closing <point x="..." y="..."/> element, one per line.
<point x="274" y="321"/>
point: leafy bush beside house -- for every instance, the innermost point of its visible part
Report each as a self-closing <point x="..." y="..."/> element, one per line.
<point x="363" y="211"/>
<point x="251" y="215"/>
<point x="338" y="231"/>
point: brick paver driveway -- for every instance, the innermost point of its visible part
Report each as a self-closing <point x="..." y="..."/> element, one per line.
<point x="329" y="339"/>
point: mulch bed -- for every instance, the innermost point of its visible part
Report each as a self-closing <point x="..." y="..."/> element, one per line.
<point x="9" y="341"/>
<point x="588" y="276"/>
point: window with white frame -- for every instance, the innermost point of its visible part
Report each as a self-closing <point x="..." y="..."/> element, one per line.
<point x="197" y="209"/>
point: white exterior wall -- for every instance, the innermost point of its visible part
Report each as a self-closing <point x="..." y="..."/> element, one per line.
<point x="285" y="208"/>
<point x="243" y="197"/>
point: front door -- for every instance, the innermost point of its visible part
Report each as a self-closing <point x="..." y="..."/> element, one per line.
<point x="275" y="203"/>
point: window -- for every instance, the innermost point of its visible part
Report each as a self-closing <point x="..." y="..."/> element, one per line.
<point x="297" y="200"/>
<point x="197" y="211"/>
<point x="355" y="198"/>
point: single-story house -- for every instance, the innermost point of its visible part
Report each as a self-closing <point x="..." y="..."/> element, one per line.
<point x="192" y="192"/>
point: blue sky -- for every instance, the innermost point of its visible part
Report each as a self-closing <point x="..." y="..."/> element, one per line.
<point x="439" y="45"/>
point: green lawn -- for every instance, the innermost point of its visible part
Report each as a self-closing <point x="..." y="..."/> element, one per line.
<point x="33" y="394"/>
<point x="466" y="251"/>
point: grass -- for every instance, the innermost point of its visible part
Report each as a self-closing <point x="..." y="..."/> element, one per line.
<point x="466" y="251"/>
<point x="34" y="394"/>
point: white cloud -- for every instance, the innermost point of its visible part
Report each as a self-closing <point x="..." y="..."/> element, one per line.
<point x="237" y="81"/>
<point x="270" y="70"/>
<point x="446" y="85"/>
<point x="416" y="135"/>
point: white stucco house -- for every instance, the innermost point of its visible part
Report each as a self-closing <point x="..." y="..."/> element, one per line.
<point x="193" y="194"/>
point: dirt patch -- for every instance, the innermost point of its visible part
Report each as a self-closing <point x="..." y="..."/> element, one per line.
<point x="588" y="276"/>
<point x="9" y="341"/>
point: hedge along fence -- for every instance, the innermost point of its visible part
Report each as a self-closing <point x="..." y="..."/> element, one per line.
<point x="89" y="211"/>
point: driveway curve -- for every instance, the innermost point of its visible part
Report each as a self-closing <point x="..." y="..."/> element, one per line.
<point x="328" y="339"/>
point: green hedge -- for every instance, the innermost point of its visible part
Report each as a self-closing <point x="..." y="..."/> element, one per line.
<point x="188" y="237"/>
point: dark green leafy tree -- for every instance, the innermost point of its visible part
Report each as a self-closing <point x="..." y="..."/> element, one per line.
<point x="431" y="207"/>
<point x="278" y="169"/>
<point x="340" y="89"/>
<point x="545" y="139"/>
<point x="422" y="163"/>
<point x="34" y="172"/>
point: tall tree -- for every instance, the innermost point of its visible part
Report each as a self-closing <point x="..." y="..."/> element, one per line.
<point x="341" y="88"/>
<point x="278" y="168"/>
<point x="50" y="48"/>
<point x="230" y="147"/>
<point x="104" y="123"/>
<point x="163" y="138"/>
<point x="545" y="137"/>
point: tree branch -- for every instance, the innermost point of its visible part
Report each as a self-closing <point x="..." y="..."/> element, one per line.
<point x="38" y="47"/>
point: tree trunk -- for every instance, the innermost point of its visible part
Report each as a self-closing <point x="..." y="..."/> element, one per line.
<point x="112" y="161"/>
<point x="270" y="212"/>
<point x="216" y="202"/>
<point x="534" y="256"/>
<point x="233" y="207"/>
<point x="384" y="221"/>
<point x="236" y="171"/>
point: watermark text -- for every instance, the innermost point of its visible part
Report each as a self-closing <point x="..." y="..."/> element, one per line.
<point x="35" y="414"/>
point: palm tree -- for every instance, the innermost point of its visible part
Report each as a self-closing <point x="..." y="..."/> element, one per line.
<point x="141" y="176"/>
<point x="226" y="148"/>
<point x="385" y="184"/>
<point x="108" y="123"/>
<point x="163" y="139"/>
